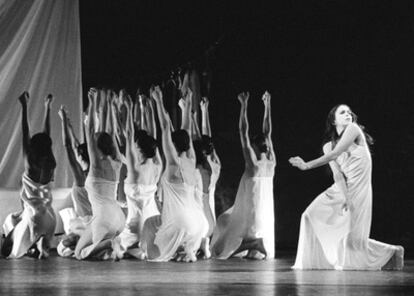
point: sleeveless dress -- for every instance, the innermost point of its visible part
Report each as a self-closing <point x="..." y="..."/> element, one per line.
<point x="141" y="206"/>
<point x="37" y="219"/>
<point x="108" y="220"/>
<point x="183" y="223"/>
<point x="251" y="217"/>
<point x="333" y="238"/>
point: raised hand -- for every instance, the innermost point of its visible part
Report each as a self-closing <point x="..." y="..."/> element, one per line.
<point x="24" y="98"/>
<point x="266" y="97"/>
<point x="48" y="100"/>
<point x="156" y="93"/>
<point x="204" y="104"/>
<point x="299" y="163"/>
<point x="92" y="94"/>
<point x="62" y="112"/>
<point x="243" y="97"/>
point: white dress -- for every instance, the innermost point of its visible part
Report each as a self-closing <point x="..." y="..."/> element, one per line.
<point x="183" y="223"/>
<point x="251" y="217"/>
<point x="108" y="220"/>
<point x="37" y="219"/>
<point x="141" y="206"/>
<point x="332" y="238"/>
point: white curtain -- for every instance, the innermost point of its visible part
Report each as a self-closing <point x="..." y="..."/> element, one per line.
<point x="39" y="52"/>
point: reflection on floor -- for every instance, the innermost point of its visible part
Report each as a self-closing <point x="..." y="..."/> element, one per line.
<point x="58" y="276"/>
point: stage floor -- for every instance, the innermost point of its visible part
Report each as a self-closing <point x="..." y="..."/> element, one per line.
<point x="59" y="276"/>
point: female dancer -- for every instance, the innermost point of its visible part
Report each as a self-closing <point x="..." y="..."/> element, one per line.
<point x="183" y="223"/>
<point x="36" y="223"/>
<point x="144" y="168"/>
<point x="334" y="231"/>
<point x="248" y="226"/>
<point x="74" y="219"/>
<point x="108" y="219"/>
<point x="209" y="166"/>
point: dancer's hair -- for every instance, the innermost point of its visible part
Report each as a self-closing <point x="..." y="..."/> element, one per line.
<point x="146" y="143"/>
<point x="331" y="135"/>
<point x="105" y="144"/>
<point x="41" y="144"/>
<point x="260" y="142"/>
<point x="202" y="148"/>
<point x="181" y="140"/>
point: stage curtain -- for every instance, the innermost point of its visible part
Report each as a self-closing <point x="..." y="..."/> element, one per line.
<point x="39" y="52"/>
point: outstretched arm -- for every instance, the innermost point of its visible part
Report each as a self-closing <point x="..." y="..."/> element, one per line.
<point x="205" y="126"/>
<point x="46" y="119"/>
<point x="24" y="97"/>
<point x="186" y="106"/>
<point x="167" y="145"/>
<point x="70" y="149"/>
<point x="90" y="127"/>
<point x="267" y="124"/>
<point x="351" y="133"/>
<point x="248" y="153"/>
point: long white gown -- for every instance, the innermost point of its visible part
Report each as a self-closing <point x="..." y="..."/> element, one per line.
<point x="141" y="206"/>
<point x="183" y="223"/>
<point x="251" y="217"/>
<point x="37" y="219"/>
<point x="108" y="220"/>
<point x="332" y="238"/>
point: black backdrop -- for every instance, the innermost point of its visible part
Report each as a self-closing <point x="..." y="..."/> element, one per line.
<point x="310" y="55"/>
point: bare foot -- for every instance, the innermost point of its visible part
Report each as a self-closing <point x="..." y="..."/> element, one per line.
<point x="205" y="247"/>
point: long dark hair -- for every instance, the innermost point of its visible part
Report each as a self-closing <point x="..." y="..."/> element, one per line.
<point x="331" y="135"/>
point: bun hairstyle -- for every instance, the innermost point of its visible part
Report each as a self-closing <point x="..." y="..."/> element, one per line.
<point x="181" y="140"/>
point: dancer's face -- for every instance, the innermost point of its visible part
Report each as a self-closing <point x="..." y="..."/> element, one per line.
<point x="343" y="116"/>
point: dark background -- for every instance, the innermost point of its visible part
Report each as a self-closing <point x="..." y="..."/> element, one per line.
<point x="310" y="55"/>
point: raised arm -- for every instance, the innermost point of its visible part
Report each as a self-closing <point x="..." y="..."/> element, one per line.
<point x="90" y="128"/>
<point x="113" y="120"/>
<point x="69" y="147"/>
<point x="186" y="122"/>
<point x="46" y="119"/>
<point x="248" y="153"/>
<point x="205" y="125"/>
<point x="150" y="118"/>
<point x="167" y="145"/>
<point x="24" y="97"/>
<point x="350" y="134"/>
<point x="267" y="124"/>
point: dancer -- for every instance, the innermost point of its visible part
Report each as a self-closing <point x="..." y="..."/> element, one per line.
<point x="108" y="219"/>
<point x="74" y="219"/>
<point x="34" y="227"/>
<point x="183" y="223"/>
<point x="334" y="229"/>
<point x="247" y="228"/>
<point x="208" y="164"/>
<point x="144" y="168"/>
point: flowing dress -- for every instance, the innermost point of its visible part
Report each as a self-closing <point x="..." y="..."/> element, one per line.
<point x="183" y="223"/>
<point x="108" y="220"/>
<point x="333" y="238"/>
<point x="251" y="217"/>
<point x="37" y="219"/>
<point x="141" y="206"/>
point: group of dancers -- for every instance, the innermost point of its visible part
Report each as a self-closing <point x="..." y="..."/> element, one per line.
<point x="170" y="189"/>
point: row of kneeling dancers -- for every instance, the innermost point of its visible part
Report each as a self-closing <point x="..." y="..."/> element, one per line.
<point x="170" y="189"/>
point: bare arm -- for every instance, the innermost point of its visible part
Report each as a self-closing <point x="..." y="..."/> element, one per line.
<point x="267" y="124"/>
<point x="248" y="153"/>
<point x="24" y="97"/>
<point x="351" y="133"/>
<point x="69" y="147"/>
<point x="113" y="118"/>
<point x="167" y="145"/>
<point x="205" y="126"/>
<point x="46" y="119"/>
<point x="90" y="128"/>
<point x="186" y="121"/>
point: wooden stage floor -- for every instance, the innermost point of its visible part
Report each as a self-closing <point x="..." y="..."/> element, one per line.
<point x="58" y="276"/>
